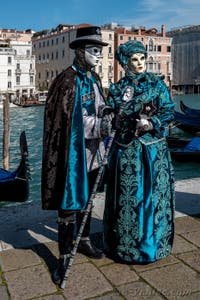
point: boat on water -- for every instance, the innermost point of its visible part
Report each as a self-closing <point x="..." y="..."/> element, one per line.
<point x="189" y="111"/>
<point x="29" y="103"/>
<point x="184" y="149"/>
<point x="187" y="123"/>
<point x="38" y="99"/>
<point x="14" y="185"/>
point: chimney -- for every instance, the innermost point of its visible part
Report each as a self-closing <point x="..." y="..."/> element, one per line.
<point x="163" y="32"/>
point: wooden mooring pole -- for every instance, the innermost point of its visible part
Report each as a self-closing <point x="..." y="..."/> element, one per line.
<point x="6" y="131"/>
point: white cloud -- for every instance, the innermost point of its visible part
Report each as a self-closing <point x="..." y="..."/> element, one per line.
<point x="172" y="13"/>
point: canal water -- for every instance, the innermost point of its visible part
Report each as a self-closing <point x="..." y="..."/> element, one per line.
<point x="30" y="119"/>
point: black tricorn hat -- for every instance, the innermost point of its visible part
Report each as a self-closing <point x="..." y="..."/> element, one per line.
<point x="87" y="35"/>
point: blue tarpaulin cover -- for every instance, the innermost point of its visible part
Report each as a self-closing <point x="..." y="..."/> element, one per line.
<point x="6" y="175"/>
<point x="193" y="145"/>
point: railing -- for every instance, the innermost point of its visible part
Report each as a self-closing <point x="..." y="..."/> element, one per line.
<point x="7" y="50"/>
<point x="25" y="56"/>
<point x="18" y="71"/>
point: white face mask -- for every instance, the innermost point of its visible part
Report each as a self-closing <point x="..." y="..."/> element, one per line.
<point x="136" y="63"/>
<point x="92" y="54"/>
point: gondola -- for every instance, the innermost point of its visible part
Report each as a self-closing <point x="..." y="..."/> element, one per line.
<point x="14" y="185"/>
<point x="29" y="104"/>
<point x="187" y="123"/>
<point x="184" y="150"/>
<point x="189" y="111"/>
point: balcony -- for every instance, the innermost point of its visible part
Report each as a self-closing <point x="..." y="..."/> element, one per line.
<point x="26" y="57"/>
<point x="110" y="55"/>
<point x="18" y="71"/>
<point x="31" y="71"/>
<point x="101" y="75"/>
<point x="7" y="51"/>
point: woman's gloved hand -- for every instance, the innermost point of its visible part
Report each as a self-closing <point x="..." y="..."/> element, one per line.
<point x="144" y="124"/>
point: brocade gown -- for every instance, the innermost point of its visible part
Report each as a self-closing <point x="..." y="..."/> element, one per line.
<point x="139" y="206"/>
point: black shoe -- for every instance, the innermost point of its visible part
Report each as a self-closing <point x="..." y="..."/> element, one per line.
<point x="87" y="248"/>
<point x="58" y="274"/>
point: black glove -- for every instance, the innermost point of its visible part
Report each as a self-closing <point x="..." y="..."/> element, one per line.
<point x="106" y="125"/>
<point x="118" y="121"/>
<point x="104" y="110"/>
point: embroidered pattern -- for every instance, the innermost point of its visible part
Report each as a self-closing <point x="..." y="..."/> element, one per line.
<point x="139" y="207"/>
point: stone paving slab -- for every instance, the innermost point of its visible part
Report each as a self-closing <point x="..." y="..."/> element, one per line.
<point x="195" y="296"/>
<point x="158" y="264"/>
<point x="192" y="259"/>
<point x="18" y="258"/>
<point x="48" y="253"/>
<point x="186" y="224"/>
<point x="86" y="281"/>
<point x="3" y="293"/>
<point x="29" y="282"/>
<point x="193" y="237"/>
<point x="139" y="290"/>
<point x="182" y="245"/>
<point x="174" y="280"/>
<point x="119" y="274"/>
<point x="101" y="262"/>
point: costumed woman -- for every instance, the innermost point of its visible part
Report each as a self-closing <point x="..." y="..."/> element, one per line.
<point x="139" y="207"/>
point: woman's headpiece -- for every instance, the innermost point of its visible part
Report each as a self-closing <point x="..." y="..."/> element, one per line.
<point x="126" y="50"/>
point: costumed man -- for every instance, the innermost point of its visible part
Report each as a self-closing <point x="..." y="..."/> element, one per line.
<point x="73" y="144"/>
<point x="139" y="207"/>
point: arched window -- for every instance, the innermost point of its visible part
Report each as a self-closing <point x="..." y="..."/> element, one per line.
<point x="151" y="45"/>
<point x="150" y="64"/>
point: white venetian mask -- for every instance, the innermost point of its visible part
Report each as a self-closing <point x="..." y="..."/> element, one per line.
<point x="92" y="54"/>
<point x="136" y="63"/>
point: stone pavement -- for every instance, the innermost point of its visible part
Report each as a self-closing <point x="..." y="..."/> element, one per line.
<point x="29" y="252"/>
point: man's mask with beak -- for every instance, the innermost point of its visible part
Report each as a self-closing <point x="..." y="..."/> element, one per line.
<point x="92" y="54"/>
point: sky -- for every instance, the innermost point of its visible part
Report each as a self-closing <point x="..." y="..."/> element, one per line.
<point x="41" y="14"/>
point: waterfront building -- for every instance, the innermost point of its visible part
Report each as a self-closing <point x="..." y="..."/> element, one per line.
<point x="17" y="64"/>
<point x="53" y="54"/>
<point x="186" y="59"/>
<point x="157" y="44"/>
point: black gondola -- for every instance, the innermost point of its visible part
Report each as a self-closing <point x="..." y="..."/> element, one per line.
<point x="184" y="150"/>
<point x="14" y="185"/>
<point x="187" y="122"/>
<point x="189" y="111"/>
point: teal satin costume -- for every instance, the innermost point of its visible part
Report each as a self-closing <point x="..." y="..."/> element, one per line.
<point x="71" y="107"/>
<point x="139" y="206"/>
<point x="76" y="185"/>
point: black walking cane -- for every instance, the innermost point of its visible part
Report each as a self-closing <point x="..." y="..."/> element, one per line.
<point x="127" y="95"/>
<point x="87" y="211"/>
